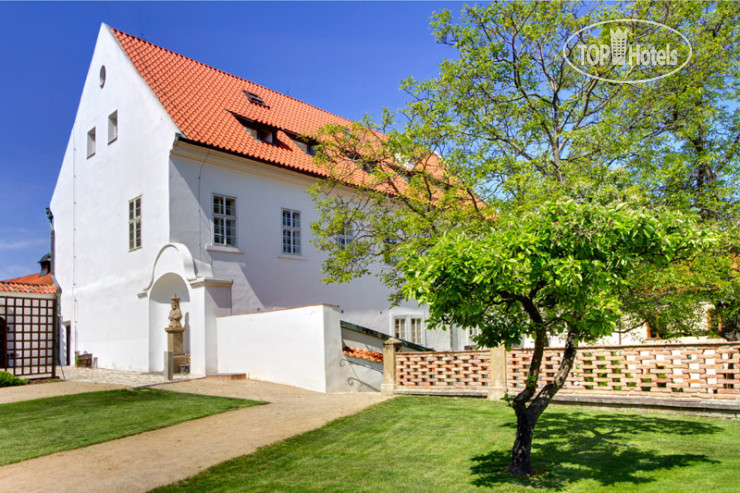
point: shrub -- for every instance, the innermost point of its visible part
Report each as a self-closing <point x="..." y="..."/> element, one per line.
<point x="10" y="380"/>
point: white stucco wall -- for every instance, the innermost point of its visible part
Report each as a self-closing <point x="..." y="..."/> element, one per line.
<point x="99" y="276"/>
<point x="300" y="347"/>
<point x="264" y="277"/>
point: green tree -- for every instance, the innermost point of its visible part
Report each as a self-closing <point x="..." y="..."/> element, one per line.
<point x="509" y="134"/>
<point x="556" y="271"/>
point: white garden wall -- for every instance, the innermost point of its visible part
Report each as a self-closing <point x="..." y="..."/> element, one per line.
<point x="299" y="346"/>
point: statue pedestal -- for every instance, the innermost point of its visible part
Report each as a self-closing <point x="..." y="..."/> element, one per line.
<point x="175" y="346"/>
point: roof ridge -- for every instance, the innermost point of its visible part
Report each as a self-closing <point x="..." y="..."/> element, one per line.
<point x="118" y="31"/>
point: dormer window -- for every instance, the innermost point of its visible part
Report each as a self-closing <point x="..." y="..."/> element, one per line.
<point x="255" y="99"/>
<point x="260" y="132"/>
<point x="368" y="165"/>
<point x="307" y="146"/>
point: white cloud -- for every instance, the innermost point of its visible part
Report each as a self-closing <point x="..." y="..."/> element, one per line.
<point x="21" y="244"/>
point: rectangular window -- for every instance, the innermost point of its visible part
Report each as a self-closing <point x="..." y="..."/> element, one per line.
<point x="113" y="127"/>
<point x="134" y="223"/>
<point x="224" y="220"/>
<point x="400" y="324"/>
<point x="417" y="331"/>
<point x="291" y="232"/>
<point x="409" y="329"/>
<point x="91" y="143"/>
<point x="346" y="237"/>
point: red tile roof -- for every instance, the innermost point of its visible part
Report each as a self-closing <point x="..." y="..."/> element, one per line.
<point x="202" y="102"/>
<point x="33" y="283"/>
<point x="374" y="356"/>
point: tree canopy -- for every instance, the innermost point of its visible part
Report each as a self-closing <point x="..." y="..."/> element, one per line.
<point x="517" y="195"/>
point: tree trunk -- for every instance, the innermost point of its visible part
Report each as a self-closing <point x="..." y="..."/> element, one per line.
<point x="527" y="416"/>
<point x="521" y="464"/>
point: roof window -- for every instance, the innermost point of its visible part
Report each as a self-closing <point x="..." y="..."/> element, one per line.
<point x="306" y="145"/>
<point x="255" y="99"/>
<point x="260" y="132"/>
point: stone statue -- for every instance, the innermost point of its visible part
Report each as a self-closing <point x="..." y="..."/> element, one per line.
<point x="175" y="316"/>
<point x="175" y="337"/>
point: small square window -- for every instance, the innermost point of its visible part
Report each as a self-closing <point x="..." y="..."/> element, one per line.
<point x="91" y="143"/>
<point x="113" y="127"/>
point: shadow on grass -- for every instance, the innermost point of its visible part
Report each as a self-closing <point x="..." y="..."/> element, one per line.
<point x="569" y="447"/>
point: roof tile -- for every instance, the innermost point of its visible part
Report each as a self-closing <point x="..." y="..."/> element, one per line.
<point x="33" y="283"/>
<point x="373" y="356"/>
<point x="202" y="101"/>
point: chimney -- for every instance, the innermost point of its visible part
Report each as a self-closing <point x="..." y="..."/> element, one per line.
<point x="45" y="265"/>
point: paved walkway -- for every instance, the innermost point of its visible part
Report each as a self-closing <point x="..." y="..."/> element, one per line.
<point x="127" y="378"/>
<point x="159" y="457"/>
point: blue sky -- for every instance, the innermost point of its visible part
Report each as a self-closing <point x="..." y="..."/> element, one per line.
<point x="345" y="57"/>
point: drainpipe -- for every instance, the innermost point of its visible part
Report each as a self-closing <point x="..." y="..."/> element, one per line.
<point x="58" y="294"/>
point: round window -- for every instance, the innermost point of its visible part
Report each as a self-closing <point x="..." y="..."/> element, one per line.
<point x="102" y="76"/>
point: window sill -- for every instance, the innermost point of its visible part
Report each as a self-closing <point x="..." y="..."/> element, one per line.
<point x="287" y="256"/>
<point x="224" y="249"/>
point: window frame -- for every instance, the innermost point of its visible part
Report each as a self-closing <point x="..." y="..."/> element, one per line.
<point x="407" y="332"/>
<point x="346" y="236"/>
<point x="113" y="127"/>
<point x="91" y="142"/>
<point x="293" y="232"/>
<point x="134" y="224"/>
<point x="259" y="131"/>
<point x="226" y="219"/>
<point x="308" y="146"/>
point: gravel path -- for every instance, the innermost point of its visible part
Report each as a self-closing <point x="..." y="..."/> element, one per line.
<point x="159" y="457"/>
<point x="127" y="378"/>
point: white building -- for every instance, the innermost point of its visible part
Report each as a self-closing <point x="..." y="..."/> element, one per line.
<point x="180" y="179"/>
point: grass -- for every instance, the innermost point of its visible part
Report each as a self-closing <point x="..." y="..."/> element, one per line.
<point x="43" y="426"/>
<point x="444" y="444"/>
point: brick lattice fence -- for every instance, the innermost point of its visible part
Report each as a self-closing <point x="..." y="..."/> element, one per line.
<point x="449" y="370"/>
<point x="701" y="370"/>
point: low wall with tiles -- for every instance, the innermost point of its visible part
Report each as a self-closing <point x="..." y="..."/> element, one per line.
<point x="700" y="370"/>
<point x="443" y="370"/>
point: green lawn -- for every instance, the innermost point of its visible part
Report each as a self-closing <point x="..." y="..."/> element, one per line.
<point x="433" y="444"/>
<point x="44" y="426"/>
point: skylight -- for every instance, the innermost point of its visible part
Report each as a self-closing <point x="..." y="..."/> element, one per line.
<point x="254" y="98"/>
